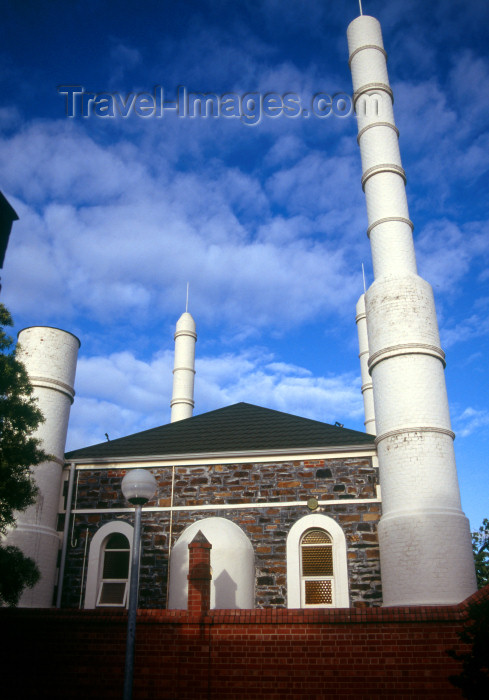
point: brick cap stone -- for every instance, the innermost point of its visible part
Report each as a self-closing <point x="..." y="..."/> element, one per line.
<point x="200" y="540"/>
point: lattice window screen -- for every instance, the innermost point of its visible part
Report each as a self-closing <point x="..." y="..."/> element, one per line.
<point x="317" y="561"/>
<point x="319" y="592"/>
<point x="317" y="568"/>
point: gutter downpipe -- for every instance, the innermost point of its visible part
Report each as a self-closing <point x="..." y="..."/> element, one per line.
<point x="170" y="536"/>
<point x="66" y="530"/>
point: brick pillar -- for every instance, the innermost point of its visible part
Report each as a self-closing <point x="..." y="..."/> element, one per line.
<point x="199" y="576"/>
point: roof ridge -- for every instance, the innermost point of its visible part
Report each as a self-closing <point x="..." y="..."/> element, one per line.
<point x="239" y="427"/>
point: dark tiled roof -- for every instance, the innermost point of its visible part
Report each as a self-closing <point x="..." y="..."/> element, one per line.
<point x="236" y="428"/>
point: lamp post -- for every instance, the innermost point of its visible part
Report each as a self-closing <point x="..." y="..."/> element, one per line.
<point x="138" y="487"/>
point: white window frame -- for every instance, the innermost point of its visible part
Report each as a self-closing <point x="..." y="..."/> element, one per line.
<point x="104" y="580"/>
<point x="316" y="578"/>
<point x="341" y="597"/>
<point x="96" y="560"/>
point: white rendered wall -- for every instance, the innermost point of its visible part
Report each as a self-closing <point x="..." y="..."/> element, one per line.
<point x="367" y="389"/>
<point x="49" y="355"/>
<point x="424" y="537"/>
<point x="232" y="566"/>
<point x="182" y="402"/>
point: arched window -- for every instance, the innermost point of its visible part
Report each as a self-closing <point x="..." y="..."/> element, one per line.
<point x="317" y="570"/>
<point x="115" y="571"/>
<point x="317" y="576"/>
<point x="108" y="565"/>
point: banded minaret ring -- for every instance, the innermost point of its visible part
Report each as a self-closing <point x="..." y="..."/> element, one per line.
<point x="424" y="537"/>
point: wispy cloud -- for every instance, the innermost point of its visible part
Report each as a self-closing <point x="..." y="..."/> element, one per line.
<point x="471" y="421"/>
<point x="121" y="394"/>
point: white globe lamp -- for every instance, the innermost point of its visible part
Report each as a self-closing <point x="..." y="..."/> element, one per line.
<point x="138" y="486"/>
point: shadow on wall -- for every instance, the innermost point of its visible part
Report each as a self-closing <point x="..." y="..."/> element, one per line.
<point x="225" y="589"/>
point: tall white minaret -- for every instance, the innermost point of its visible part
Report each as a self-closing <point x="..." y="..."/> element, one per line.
<point x="49" y="356"/>
<point x="424" y="537"/>
<point x="182" y="402"/>
<point x="367" y="388"/>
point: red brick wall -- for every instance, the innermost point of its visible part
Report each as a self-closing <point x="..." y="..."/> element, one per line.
<point x="266" y="654"/>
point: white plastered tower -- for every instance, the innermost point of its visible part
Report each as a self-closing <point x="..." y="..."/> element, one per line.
<point x="49" y="356"/>
<point x="367" y="388"/>
<point x="182" y="402"/>
<point x="424" y="537"/>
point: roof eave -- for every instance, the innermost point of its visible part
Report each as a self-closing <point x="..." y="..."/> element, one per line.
<point x="330" y="449"/>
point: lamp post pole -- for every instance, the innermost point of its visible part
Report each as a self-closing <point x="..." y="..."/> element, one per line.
<point x="138" y="486"/>
<point x="133" y="606"/>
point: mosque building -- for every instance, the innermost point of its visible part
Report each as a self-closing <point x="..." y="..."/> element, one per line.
<point x="299" y="513"/>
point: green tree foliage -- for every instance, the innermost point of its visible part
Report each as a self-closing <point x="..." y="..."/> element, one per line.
<point x="480" y="547"/>
<point x="474" y="677"/>
<point x="16" y="573"/>
<point x="19" y="451"/>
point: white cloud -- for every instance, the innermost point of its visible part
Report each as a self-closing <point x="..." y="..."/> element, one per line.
<point x="425" y="115"/>
<point x="471" y="421"/>
<point x="444" y="253"/>
<point x="447" y="252"/>
<point x="109" y="238"/>
<point x="10" y="117"/>
<point x="121" y="394"/>
<point x="286" y="368"/>
<point x="59" y="161"/>
<point x="288" y="147"/>
<point x="443" y="131"/>
<point x="315" y="185"/>
<point x="469" y="86"/>
<point x="474" y="326"/>
<point x="122" y="60"/>
<point x="91" y="418"/>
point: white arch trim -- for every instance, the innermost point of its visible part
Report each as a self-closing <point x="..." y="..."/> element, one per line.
<point x="340" y="566"/>
<point x="94" y="557"/>
<point x="232" y="565"/>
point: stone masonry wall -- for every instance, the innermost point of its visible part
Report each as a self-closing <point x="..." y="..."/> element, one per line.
<point x="267" y="527"/>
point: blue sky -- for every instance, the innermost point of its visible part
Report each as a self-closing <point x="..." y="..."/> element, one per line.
<point x="266" y="222"/>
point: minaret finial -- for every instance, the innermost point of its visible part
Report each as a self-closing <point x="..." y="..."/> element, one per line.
<point x="360" y="3"/>
<point x="186" y="303"/>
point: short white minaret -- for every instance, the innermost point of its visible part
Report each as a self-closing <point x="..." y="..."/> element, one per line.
<point x="182" y="402"/>
<point x="49" y="356"/>
<point x="367" y="389"/>
<point x="424" y="537"/>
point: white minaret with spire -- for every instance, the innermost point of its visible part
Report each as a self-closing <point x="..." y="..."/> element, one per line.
<point x="49" y="356"/>
<point x="182" y="402"/>
<point x="367" y="389"/>
<point x="424" y="537"/>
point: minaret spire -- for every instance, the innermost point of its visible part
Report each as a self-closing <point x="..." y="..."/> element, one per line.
<point x="424" y="537"/>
